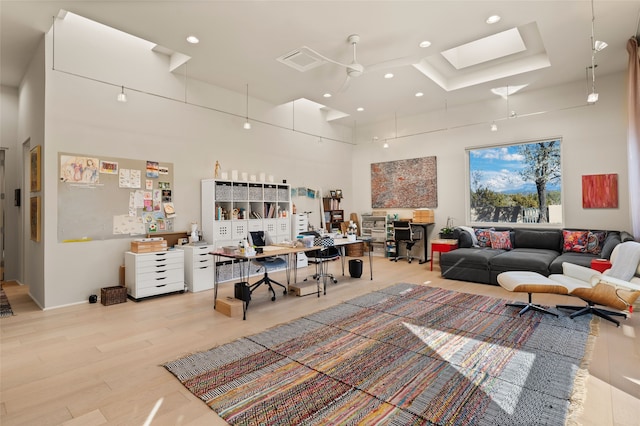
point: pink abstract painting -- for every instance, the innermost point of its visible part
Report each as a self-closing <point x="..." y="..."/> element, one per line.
<point x="405" y="183"/>
<point x="600" y="191"/>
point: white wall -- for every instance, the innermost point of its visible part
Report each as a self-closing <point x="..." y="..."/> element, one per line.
<point x="593" y="142"/>
<point x="83" y="117"/>
<point x="12" y="181"/>
<point x="31" y="115"/>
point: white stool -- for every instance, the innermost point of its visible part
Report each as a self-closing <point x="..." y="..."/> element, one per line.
<point x="529" y="282"/>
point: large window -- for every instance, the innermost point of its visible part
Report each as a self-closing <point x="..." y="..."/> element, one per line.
<point x="516" y="183"/>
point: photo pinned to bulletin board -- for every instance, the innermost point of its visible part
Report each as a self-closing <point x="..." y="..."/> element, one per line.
<point x="153" y="169"/>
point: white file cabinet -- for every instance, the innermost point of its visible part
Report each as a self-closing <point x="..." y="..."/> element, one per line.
<point x="151" y="274"/>
<point x="198" y="267"/>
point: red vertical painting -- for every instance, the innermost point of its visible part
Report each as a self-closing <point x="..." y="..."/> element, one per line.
<point x="600" y="191"/>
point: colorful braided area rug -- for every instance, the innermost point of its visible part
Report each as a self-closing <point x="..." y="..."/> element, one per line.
<point x="404" y="355"/>
<point x="5" y="306"/>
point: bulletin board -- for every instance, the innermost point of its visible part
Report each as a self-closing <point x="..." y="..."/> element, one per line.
<point x="102" y="198"/>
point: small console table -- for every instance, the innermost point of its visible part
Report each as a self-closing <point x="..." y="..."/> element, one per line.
<point x="442" y="246"/>
<point x="600" y="265"/>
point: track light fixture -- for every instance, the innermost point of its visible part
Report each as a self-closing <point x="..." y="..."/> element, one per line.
<point x="494" y="127"/>
<point x="122" y="97"/>
<point x="596" y="46"/>
<point x="247" y="125"/>
<point x="385" y="144"/>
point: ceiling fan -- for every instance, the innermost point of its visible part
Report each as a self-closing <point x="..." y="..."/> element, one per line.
<point x="354" y="69"/>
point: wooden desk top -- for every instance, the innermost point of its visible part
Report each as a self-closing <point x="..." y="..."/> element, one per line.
<point x="268" y="251"/>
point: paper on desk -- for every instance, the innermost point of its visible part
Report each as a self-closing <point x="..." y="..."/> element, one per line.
<point x="271" y="248"/>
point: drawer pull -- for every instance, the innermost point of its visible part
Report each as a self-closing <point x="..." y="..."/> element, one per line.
<point x="161" y="285"/>
<point x="205" y="260"/>
<point x="204" y="267"/>
<point x="160" y="260"/>
<point x="161" y="266"/>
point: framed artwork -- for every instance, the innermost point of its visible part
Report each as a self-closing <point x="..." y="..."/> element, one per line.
<point x="404" y="183"/>
<point x="35" y="168"/>
<point x="600" y="191"/>
<point x="338" y="193"/>
<point x="332" y="193"/>
<point x="34" y="214"/>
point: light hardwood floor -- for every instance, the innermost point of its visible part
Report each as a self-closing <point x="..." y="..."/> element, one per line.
<point x="91" y="364"/>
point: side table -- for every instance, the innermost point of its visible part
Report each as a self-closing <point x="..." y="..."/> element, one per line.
<point x="600" y="265"/>
<point x="442" y="246"/>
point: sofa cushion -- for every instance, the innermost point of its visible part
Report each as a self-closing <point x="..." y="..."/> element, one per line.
<point x="464" y="239"/>
<point x="474" y="257"/>
<point x="612" y="240"/>
<point x="575" y="241"/>
<point x="524" y="259"/>
<point x="549" y="239"/>
<point x="582" y="259"/>
<point x="500" y="240"/>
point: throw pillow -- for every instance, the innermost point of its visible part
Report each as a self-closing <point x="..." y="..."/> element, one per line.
<point x="595" y="242"/>
<point x="575" y="241"/>
<point x="500" y="240"/>
<point x="484" y="237"/>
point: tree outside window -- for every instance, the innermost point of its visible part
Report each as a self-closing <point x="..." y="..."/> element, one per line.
<point x="516" y="183"/>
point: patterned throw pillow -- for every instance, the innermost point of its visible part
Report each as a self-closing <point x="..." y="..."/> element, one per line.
<point x="500" y="240"/>
<point x="575" y="241"/>
<point x="595" y="242"/>
<point x="484" y="237"/>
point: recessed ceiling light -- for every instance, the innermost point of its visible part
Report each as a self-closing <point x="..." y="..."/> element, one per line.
<point x="425" y="44"/>
<point x="327" y="95"/>
<point x="493" y="19"/>
<point x="388" y="75"/>
<point x="359" y="109"/>
<point x="419" y="94"/>
<point x="193" y="39"/>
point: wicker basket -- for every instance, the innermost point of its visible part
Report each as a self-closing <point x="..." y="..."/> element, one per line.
<point x="355" y="249"/>
<point x="113" y="295"/>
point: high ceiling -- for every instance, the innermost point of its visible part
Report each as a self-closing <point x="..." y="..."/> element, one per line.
<point x="240" y="42"/>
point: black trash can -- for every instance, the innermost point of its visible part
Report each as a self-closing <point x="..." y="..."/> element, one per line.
<point x="355" y="268"/>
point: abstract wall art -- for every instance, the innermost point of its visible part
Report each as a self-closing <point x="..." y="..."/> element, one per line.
<point x="411" y="183"/>
<point x="600" y="191"/>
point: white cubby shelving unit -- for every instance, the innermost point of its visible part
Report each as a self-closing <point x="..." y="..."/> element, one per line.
<point x="230" y="209"/>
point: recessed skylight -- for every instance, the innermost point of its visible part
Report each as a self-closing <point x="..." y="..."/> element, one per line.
<point x="359" y="109"/>
<point x="493" y="19"/>
<point x="327" y="95"/>
<point x="193" y="39"/>
<point x="419" y="94"/>
<point x="388" y="75"/>
<point x="485" y="49"/>
<point x="425" y="44"/>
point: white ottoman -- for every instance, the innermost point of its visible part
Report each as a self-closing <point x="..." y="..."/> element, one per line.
<point x="529" y="282"/>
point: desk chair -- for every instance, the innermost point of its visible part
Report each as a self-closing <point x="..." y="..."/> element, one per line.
<point x="260" y="239"/>
<point x="322" y="257"/>
<point x="405" y="233"/>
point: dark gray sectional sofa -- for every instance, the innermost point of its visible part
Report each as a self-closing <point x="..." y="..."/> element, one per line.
<point x="533" y="249"/>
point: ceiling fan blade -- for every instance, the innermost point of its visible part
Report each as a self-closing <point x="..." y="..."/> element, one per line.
<point x="345" y="85"/>
<point x="393" y="63"/>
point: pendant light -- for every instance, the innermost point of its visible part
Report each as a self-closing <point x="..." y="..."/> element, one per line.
<point x="247" y="125"/>
<point x="122" y="97"/>
<point x="596" y="46"/>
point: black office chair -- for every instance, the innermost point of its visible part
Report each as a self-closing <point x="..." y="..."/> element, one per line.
<point x="322" y="257"/>
<point x="260" y="239"/>
<point x="405" y="233"/>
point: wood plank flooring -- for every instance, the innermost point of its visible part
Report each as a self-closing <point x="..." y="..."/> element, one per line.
<point x="91" y="364"/>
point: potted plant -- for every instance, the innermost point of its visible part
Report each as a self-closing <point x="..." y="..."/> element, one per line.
<point x="447" y="231"/>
